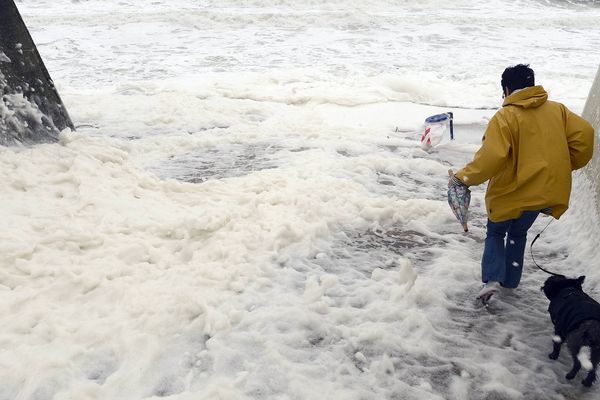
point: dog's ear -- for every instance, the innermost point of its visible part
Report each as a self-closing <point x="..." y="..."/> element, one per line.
<point x="580" y="280"/>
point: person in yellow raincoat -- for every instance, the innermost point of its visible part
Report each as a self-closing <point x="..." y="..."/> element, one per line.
<point x="529" y="149"/>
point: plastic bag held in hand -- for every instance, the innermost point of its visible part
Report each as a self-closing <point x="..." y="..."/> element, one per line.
<point x="459" y="198"/>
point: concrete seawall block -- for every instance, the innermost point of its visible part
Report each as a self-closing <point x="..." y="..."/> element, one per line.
<point x="31" y="111"/>
<point x="591" y="113"/>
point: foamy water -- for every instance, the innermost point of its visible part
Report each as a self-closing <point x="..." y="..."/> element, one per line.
<point x="238" y="217"/>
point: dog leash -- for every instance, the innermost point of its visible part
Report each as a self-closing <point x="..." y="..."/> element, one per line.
<point x="531" y="250"/>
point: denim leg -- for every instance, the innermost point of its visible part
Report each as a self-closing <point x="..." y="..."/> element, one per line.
<point x="515" y="247"/>
<point x="493" y="261"/>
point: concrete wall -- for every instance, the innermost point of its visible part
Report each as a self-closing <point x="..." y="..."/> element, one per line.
<point x="591" y="113"/>
<point x="31" y="110"/>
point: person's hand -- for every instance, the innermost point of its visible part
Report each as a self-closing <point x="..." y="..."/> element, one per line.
<point x="453" y="180"/>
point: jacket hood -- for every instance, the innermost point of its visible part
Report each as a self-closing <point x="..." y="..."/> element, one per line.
<point x="531" y="97"/>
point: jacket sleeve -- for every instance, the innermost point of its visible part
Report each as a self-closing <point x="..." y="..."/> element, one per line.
<point x="580" y="136"/>
<point x="492" y="154"/>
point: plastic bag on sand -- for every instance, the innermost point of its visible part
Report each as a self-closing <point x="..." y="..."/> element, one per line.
<point x="432" y="135"/>
<point x="435" y="130"/>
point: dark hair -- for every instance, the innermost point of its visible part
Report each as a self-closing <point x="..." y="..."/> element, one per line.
<point x="517" y="77"/>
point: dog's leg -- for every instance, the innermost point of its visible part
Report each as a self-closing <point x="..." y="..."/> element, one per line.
<point x="591" y="376"/>
<point x="575" y="369"/>
<point x="556" y="343"/>
<point x="574" y="345"/>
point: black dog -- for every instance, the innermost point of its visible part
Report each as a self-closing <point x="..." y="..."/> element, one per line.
<point x="576" y="318"/>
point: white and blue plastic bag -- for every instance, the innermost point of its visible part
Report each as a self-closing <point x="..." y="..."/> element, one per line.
<point x="435" y="130"/>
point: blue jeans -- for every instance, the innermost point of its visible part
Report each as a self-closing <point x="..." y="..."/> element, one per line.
<point x="503" y="261"/>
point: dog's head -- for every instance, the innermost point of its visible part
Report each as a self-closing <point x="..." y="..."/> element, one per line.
<point x="556" y="283"/>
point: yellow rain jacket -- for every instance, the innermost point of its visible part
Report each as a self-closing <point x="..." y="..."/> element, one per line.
<point x="529" y="149"/>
